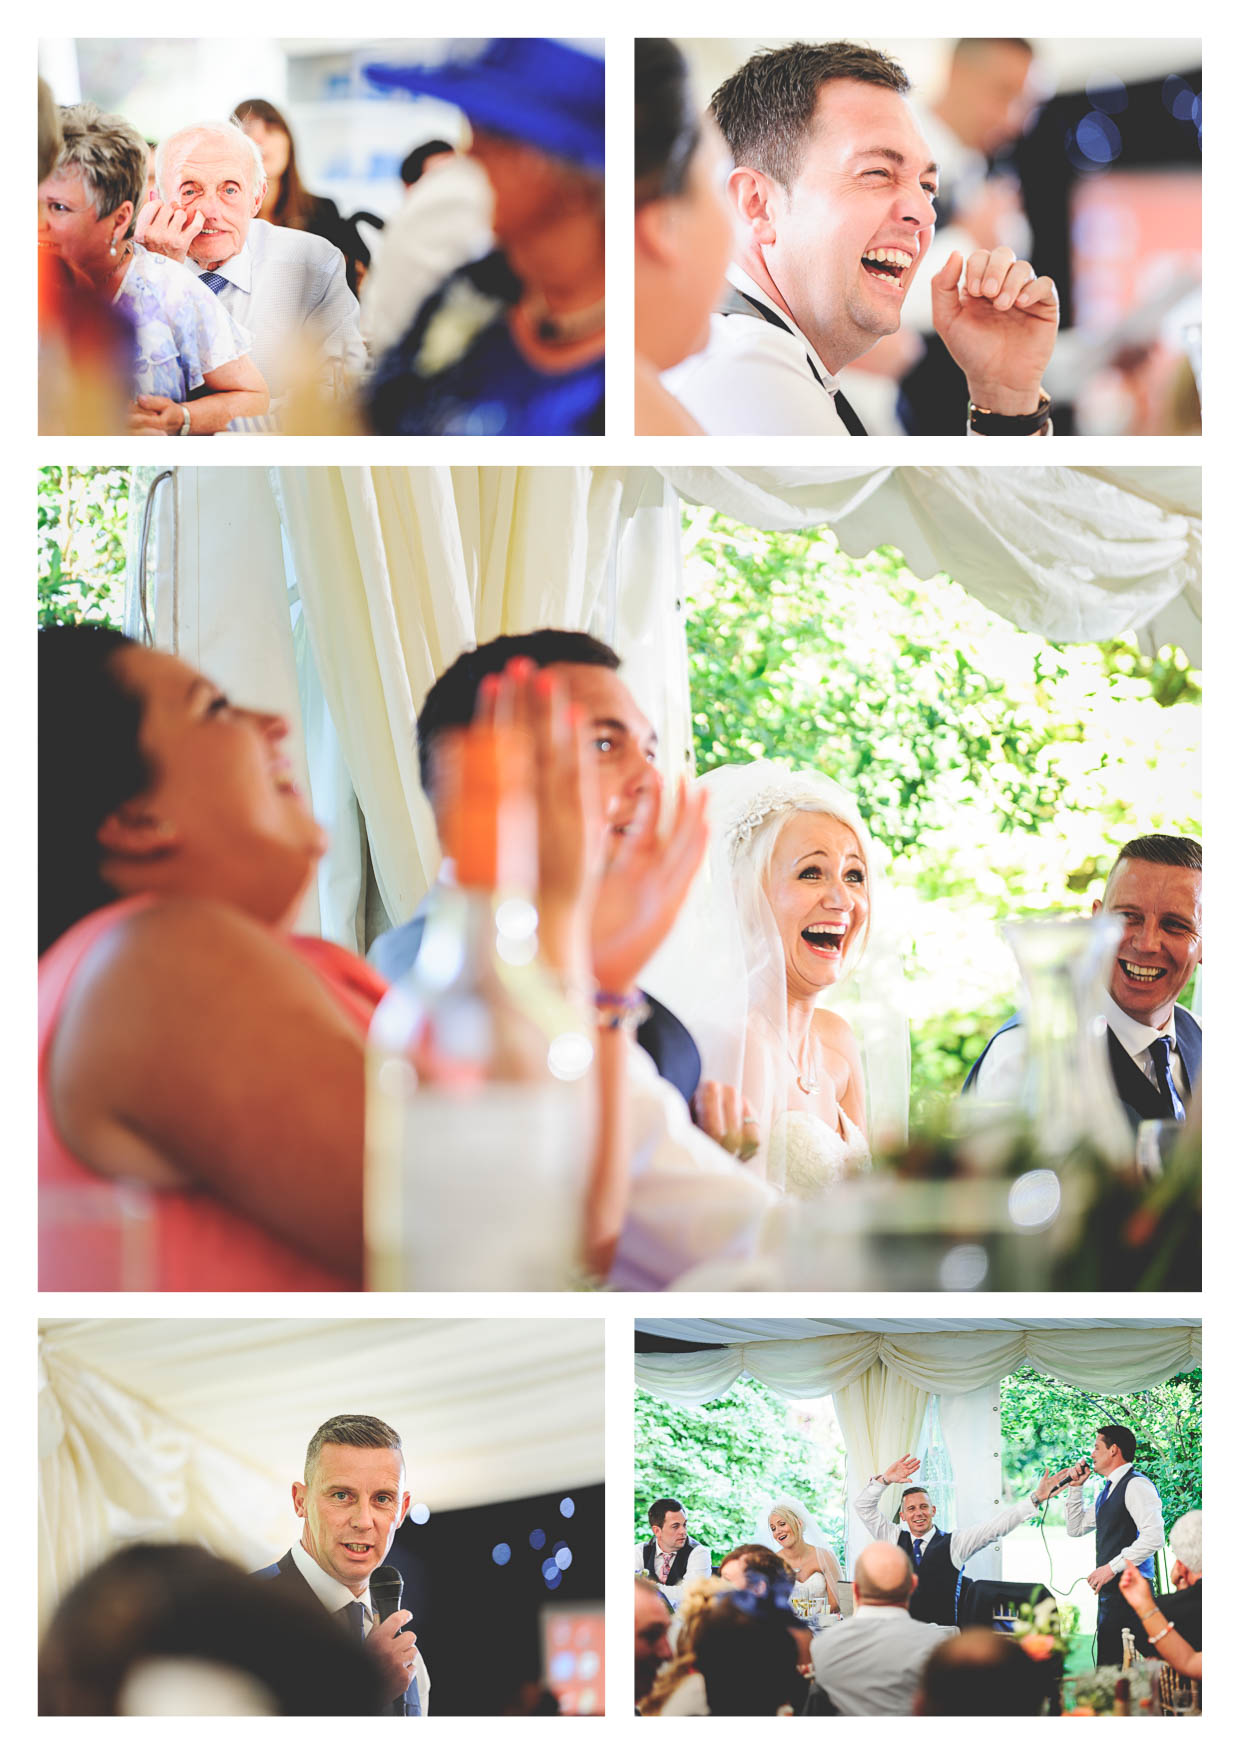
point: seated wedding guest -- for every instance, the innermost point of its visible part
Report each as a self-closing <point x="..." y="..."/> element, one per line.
<point x="353" y="1499"/>
<point x="287" y="201"/>
<point x="870" y="1665"/>
<point x="513" y="343"/>
<point x="1183" y="1604"/>
<point x="193" y="370"/>
<point x="1159" y="1631"/>
<point x="671" y="1556"/>
<point x="679" y="1690"/>
<point x="169" y="1630"/>
<point x="287" y="288"/>
<point x="833" y="191"/>
<point x="86" y="345"/>
<point x="980" y="1674"/>
<point x="752" y="1559"/>
<point x="748" y="1656"/>
<point x="689" y="1199"/>
<point x="442" y="223"/>
<point x="650" y="1647"/>
<point x="682" y="236"/>
<point x="1154" y="1043"/>
<point x="216" y="1142"/>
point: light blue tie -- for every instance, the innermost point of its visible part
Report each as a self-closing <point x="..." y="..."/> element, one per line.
<point x="216" y="282"/>
<point x="1159" y="1052"/>
<point x="916" y="1552"/>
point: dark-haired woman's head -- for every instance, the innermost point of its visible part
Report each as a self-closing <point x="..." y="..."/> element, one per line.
<point x="683" y="223"/>
<point x="152" y="781"/>
<point x="748" y="1660"/>
<point x="173" y="1630"/>
<point x="273" y="137"/>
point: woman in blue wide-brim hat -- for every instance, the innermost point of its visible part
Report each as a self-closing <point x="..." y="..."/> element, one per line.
<point x="513" y="343"/>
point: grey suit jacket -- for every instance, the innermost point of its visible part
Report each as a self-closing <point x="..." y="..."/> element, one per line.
<point x="870" y="1665"/>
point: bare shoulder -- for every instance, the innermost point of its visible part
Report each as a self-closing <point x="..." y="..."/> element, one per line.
<point x="834" y="1032"/>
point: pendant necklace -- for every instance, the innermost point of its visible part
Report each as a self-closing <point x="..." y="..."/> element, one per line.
<point x="807" y="1081"/>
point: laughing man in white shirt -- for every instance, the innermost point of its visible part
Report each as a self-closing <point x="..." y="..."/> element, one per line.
<point x="939" y="1556"/>
<point x="833" y="191"/>
<point x="288" y="288"/>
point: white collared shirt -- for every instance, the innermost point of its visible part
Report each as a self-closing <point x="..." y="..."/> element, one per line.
<point x="964" y="1542"/>
<point x="1001" y="1077"/>
<point x="698" y="1566"/>
<point x="754" y="378"/>
<point x="335" y="1595"/>
<point x="1143" y="1506"/>
<point x="289" y="289"/>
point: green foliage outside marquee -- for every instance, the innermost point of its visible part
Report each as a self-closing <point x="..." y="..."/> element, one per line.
<point x="1001" y="773"/>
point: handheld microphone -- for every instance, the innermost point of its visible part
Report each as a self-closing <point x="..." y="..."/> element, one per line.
<point x="386" y="1589"/>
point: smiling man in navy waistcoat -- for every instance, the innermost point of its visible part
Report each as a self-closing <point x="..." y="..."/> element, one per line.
<point x="1154" y="1043"/>
<point x="1126" y="1518"/>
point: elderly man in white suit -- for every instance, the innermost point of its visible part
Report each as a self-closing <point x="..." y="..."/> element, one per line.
<point x="287" y="288"/>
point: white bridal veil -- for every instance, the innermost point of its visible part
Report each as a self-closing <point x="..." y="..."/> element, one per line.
<point x="722" y="968"/>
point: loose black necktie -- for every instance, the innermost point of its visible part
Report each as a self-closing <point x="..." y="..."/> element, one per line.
<point x="844" y="408"/>
<point x="1160" y="1052"/>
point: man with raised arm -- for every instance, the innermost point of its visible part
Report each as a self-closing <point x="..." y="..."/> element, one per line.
<point x="939" y="1556"/>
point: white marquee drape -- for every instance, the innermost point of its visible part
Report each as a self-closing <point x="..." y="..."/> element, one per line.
<point x="195" y="1430"/>
<point x="1105" y="1360"/>
<point x="397" y="570"/>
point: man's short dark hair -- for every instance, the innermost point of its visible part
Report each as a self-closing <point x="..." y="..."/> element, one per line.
<point x="980" y="1674"/>
<point x="413" y="166"/>
<point x="1164" y="849"/>
<point x="1120" y="1435"/>
<point x="658" y="1510"/>
<point x="766" y="110"/>
<point x="354" y="1431"/>
<point x="911" y="1492"/>
<point x="452" y="698"/>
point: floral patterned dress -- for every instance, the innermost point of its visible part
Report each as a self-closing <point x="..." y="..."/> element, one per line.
<point x="182" y="330"/>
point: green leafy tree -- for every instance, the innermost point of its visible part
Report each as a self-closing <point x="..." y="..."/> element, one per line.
<point x="999" y="772"/>
<point x="83" y="517"/>
<point x="727" y="1459"/>
<point x="1047" y="1424"/>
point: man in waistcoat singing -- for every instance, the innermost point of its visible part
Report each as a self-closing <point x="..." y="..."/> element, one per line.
<point x="671" y="1556"/>
<point x="939" y="1556"/>
<point x="1126" y="1519"/>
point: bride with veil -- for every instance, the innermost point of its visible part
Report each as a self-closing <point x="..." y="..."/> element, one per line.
<point x="792" y="1531"/>
<point x="791" y="908"/>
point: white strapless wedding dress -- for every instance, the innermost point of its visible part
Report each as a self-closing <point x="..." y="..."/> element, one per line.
<point x="813" y="1155"/>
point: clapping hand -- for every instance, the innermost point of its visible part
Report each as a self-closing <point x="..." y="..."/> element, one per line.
<point x="167" y="229"/>
<point x="644" y="886"/>
<point x="999" y="322"/>
<point x="394" y="1650"/>
<point x="901" y="1470"/>
<point x="155" y="414"/>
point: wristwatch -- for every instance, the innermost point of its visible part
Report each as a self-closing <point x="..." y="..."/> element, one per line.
<point x="991" y="425"/>
<point x="183" y="432"/>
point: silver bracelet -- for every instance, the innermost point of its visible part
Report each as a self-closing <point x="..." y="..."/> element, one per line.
<point x="184" y="432"/>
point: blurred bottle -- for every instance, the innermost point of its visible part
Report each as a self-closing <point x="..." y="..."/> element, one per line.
<point x="480" y="1123"/>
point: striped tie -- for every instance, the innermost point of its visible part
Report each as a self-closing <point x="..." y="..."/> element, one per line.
<point x="216" y="282"/>
<point x="1159" y="1052"/>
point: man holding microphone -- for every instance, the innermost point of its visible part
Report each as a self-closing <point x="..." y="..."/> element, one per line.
<point x="1126" y="1519"/>
<point x="351" y="1502"/>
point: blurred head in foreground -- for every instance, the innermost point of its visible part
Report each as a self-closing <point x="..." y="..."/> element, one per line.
<point x="173" y="1631"/>
<point x="980" y="1674"/>
<point x="683" y="234"/>
<point x="651" y="1650"/>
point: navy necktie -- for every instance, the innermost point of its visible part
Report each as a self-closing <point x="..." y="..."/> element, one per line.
<point x="916" y="1552"/>
<point x="1102" y="1497"/>
<point x="216" y="282"/>
<point x="354" y="1617"/>
<point x="1159" y="1052"/>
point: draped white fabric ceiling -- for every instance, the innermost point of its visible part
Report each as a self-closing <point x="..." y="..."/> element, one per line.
<point x="195" y="1430"/>
<point x="951" y="1358"/>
